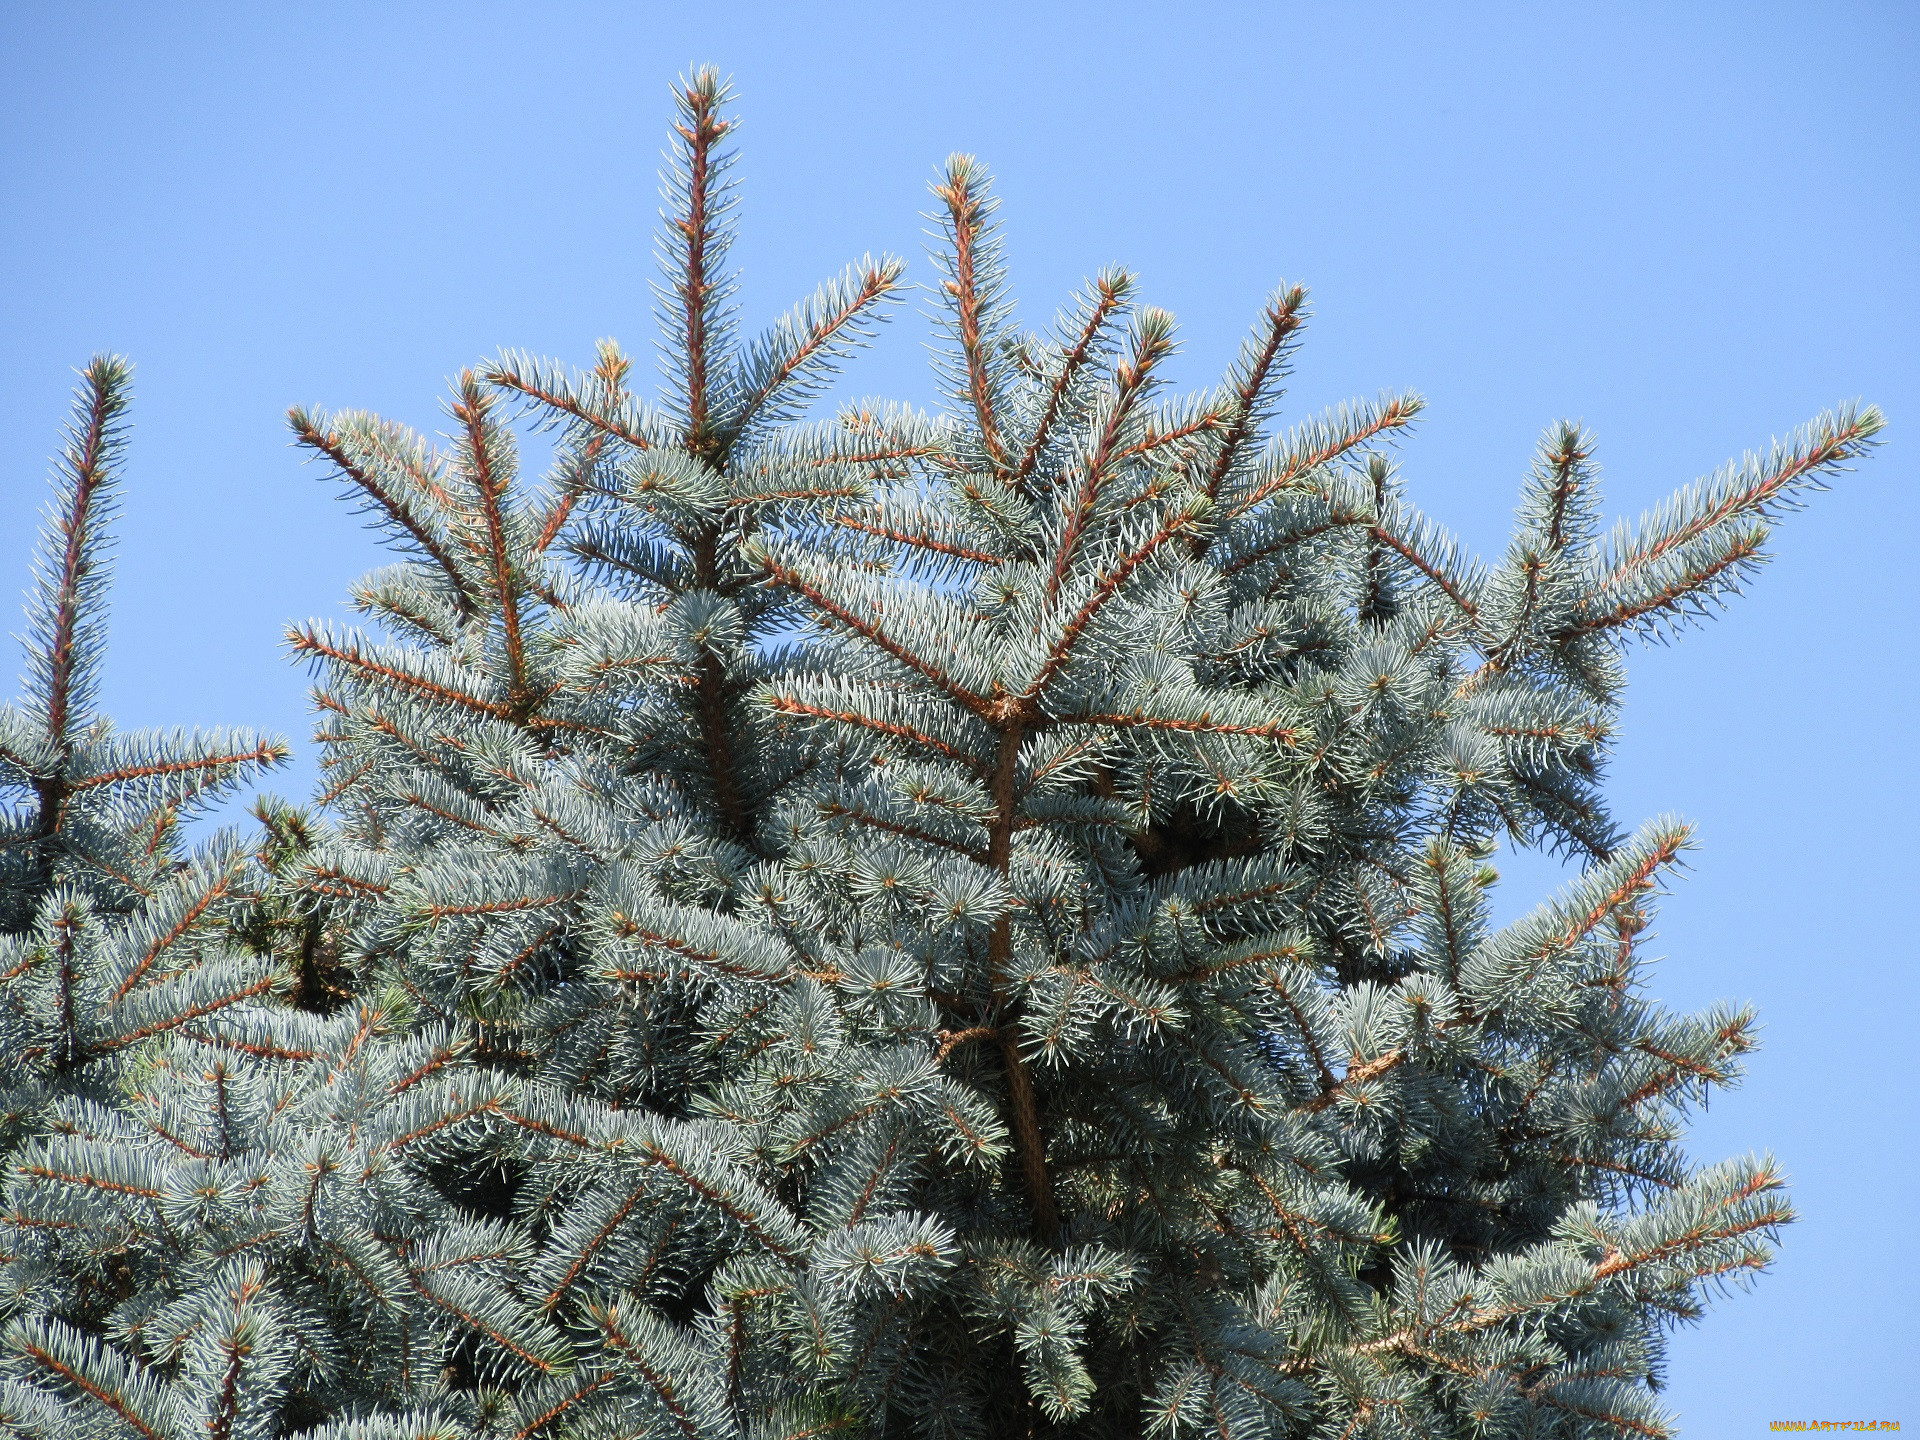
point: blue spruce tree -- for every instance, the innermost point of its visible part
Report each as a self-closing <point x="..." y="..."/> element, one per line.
<point x="952" y="925"/>
<point x="984" y="914"/>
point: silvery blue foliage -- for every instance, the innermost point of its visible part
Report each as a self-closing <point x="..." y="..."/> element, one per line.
<point x="217" y="1211"/>
<point x="950" y="925"/>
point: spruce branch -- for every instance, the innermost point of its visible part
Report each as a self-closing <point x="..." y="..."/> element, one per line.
<point x="974" y="284"/>
<point x="490" y="475"/>
<point x="1321" y="443"/>
<point x="1152" y="345"/>
<point x="1180" y="521"/>
<point x="1107" y="298"/>
<point x="1757" y="489"/>
<point x="932" y="544"/>
<point x="812" y="590"/>
<point x="695" y="244"/>
<point x="787" y="365"/>
<point x="598" y="400"/>
<point x="64" y="639"/>
<point x="1262" y="364"/>
<point x="354" y="444"/>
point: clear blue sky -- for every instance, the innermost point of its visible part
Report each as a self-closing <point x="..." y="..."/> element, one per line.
<point x="1691" y="226"/>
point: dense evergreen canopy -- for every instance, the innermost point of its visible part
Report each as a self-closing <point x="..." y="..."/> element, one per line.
<point x="969" y="924"/>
